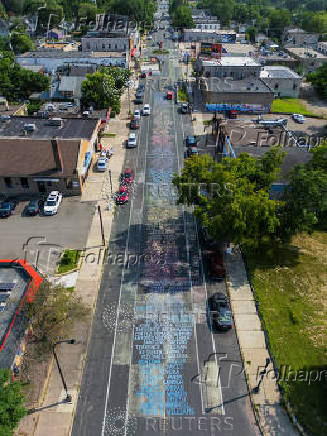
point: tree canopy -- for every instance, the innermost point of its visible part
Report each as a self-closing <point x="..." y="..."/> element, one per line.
<point x="11" y="403"/>
<point x="182" y="17"/>
<point x="318" y="79"/>
<point x="16" y="83"/>
<point x="231" y="198"/>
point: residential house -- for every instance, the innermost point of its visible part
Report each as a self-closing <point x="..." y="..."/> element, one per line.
<point x="282" y="80"/>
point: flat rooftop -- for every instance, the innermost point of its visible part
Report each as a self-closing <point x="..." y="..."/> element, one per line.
<point x="217" y="84"/>
<point x="72" y="128"/>
<point x="239" y="48"/>
<point x="17" y="279"/>
<point x="306" y="53"/>
<point x="277" y="72"/>
<point x="71" y="54"/>
<point x="237" y="61"/>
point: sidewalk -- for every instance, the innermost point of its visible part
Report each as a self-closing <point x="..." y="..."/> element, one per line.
<point x="55" y="417"/>
<point x="272" y="418"/>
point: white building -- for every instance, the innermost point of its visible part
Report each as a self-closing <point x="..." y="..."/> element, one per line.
<point x="50" y="61"/>
<point x="282" y="80"/>
<point x="229" y="66"/>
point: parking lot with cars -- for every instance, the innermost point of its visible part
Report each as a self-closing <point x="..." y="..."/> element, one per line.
<point x="27" y="234"/>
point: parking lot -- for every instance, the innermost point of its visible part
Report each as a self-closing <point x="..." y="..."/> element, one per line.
<point x="42" y="238"/>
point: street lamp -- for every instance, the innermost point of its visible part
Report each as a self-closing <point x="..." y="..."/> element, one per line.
<point x="68" y="398"/>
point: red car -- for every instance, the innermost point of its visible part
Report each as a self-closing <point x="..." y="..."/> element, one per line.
<point x="123" y="195"/>
<point x="128" y="176"/>
<point x="170" y="95"/>
<point x="216" y="265"/>
<point x="134" y="124"/>
<point x="143" y="75"/>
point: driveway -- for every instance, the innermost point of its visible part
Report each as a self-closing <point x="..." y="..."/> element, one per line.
<point x="40" y="239"/>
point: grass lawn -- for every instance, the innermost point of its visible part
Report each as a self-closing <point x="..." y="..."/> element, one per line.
<point x="291" y="287"/>
<point x="291" y="105"/>
<point x="69" y="261"/>
<point x="182" y="96"/>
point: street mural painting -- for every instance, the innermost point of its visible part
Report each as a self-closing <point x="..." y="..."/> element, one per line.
<point x="160" y="343"/>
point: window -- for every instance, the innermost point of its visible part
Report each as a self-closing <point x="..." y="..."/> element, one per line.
<point x="69" y="184"/>
<point x="103" y="46"/>
<point x="109" y="46"/>
<point x="24" y="182"/>
<point x="8" y="182"/>
<point x="88" y="45"/>
<point x="49" y="184"/>
<point x="276" y="85"/>
<point x="294" y="86"/>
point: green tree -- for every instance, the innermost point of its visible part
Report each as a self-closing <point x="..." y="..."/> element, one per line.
<point x="11" y="403"/>
<point x="319" y="158"/>
<point x="87" y="10"/>
<point x="21" y="43"/>
<point x="15" y="6"/>
<point x="232" y="198"/>
<point x="305" y="201"/>
<point x="318" y="79"/>
<point x="3" y="13"/>
<point x="121" y="76"/>
<point x="99" y="91"/>
<point x="279" y="19"/>
<point x="182" y="17"/>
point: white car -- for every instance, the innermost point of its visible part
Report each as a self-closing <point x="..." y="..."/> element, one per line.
<point x="298" y="118"/>
<point x="137" y="114"/>
<point x="102" y="164"/>
<point x="146" y="109"/>
<point x="51" y="204"/>
<point x="131" y="143"/>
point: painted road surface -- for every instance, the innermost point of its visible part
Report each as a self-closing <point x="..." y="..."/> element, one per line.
<point x="153" y="364"/>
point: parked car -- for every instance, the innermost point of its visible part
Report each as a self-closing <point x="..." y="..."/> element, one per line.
<point x="127" y="176"/>
<point x="143" y="75"/>
<point x="192" y="151"/>
<point x="137" y="114"/>
<point x="216" y="267"/>
<point x="185" y="108"/>
<point x="141" y="87"/>
<point x="205" y="238"/>
<point x="222" y="318"/>
<point x="102" y="164"/>
<point x="139" y="97"/>
<point x="298" y="118"/>
<point x="7" y="207"/>
<point x="146" y="109"/>
<point x="170" y="95"/>
<point x="131" y="143"/>
<point x="134" y="124"/>
<point x="52" y="203"/>
<point x="191" y="141"/>
<point x="33" y="207"/>
<point x="122" y="195"/>
<point x="216" y="300"/>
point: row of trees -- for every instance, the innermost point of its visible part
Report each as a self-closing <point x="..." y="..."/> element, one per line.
<point x="232" y="198"/>
<point x="79" y="11"/>
<point x="181" y="14"/>
<point x="105" y="87"/>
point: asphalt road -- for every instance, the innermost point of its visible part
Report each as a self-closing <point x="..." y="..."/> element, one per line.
<point x="152" y="362"/>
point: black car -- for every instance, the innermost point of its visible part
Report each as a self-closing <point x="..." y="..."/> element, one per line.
<point x="7" y="208"/>
<point x="139" y="97"/>
<point x="33" y="207"/>
<point x="191" y="141"/>
<point x="221" y="317"/>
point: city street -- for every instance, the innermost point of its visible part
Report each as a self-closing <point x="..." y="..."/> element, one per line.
<point x="154" y="365"/>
